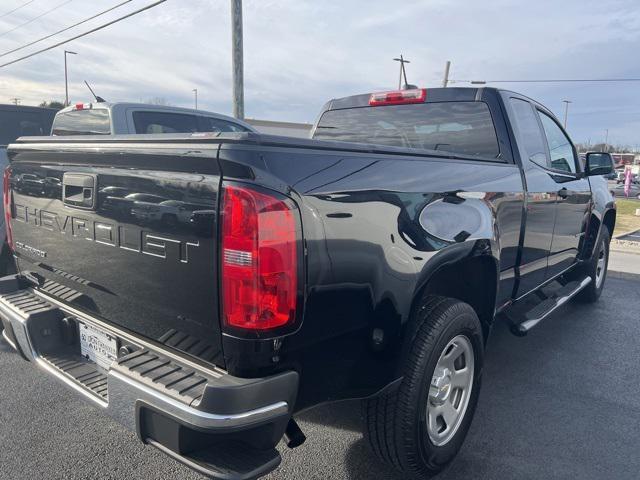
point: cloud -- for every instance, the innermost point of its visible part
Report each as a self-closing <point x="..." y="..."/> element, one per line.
<point x="300" y="53"/>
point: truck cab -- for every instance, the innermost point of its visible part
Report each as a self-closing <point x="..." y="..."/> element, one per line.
<point x="103" y="118"/>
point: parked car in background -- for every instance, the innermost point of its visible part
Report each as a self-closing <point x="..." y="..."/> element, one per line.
<point x="634" y="191"/>
<point x="19" y="121"/>
<point x="103" y="118"/>
<point x="621" y="177"/>
<point x="369" y="262"/>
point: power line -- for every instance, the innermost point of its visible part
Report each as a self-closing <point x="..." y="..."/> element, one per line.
<point x="64" y="29"/>
<point x="84" y="34"/>
<point x="16" y="9"/>
<point x="563" y="80"/>
<point x="35" y="18"/>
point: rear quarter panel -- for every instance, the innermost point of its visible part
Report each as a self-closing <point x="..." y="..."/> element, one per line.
<point x="375" y="228"/>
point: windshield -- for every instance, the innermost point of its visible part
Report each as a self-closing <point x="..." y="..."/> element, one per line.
<point x="458" y="127"/>
<point x="82" y="122"/>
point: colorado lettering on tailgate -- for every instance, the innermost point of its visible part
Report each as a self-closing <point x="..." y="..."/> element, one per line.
<point x="125" y="237"/>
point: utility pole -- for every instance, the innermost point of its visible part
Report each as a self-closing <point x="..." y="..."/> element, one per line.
<point x="195" y="92"/>
<point x="566" y="111"/>
<point x="403" y="72"/>
<point x="606" y="141"/>
<point x="15" y="101"/>
<point x="66" y="78"/>
<point x="236" y="52"/>
<point x="445" y="82"/>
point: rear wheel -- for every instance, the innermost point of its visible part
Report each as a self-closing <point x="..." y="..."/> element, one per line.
<point x="597" y="268"/>
<point x="420" y="427"/>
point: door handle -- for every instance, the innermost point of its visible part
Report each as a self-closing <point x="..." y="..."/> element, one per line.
<point x="79" y="190"/>
<point x="563" y="193"/>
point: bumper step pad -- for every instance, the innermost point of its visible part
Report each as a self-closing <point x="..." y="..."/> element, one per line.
<point x="171" y="378"/>
<point x="85" y="373"/>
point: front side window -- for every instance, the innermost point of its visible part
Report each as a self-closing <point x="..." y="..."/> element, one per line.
<point x="210" y="124"/>
<point x="82" y="122"/>
<point x="560" y="148"/>
<point x="531" y="137"/>
<point x="164" y="122"/>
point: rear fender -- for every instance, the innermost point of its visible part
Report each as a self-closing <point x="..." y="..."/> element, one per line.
<point x="466" y="271"/>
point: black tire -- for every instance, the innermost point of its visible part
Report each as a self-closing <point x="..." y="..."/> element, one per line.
<point x="395" y="422"/>
<point x="591" y="293"/>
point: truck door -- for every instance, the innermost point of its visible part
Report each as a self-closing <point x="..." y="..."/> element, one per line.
<point x="540" y="197"/>
<point x="573" y="201"/>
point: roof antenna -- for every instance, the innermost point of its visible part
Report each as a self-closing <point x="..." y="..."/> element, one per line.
<point x="98" y="99"/>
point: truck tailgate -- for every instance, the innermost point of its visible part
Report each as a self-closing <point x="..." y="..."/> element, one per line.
<point x="125" y="234"/>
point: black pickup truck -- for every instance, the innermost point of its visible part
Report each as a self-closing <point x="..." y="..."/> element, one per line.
<point x="203" y="289"/>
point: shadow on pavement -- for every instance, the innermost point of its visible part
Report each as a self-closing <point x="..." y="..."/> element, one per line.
<point x="558" y="403"/>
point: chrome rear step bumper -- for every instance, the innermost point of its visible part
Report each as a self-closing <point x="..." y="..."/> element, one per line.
<point x="190" y="412"/>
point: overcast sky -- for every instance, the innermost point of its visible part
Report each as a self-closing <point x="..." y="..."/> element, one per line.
<point x="300" y="53"/>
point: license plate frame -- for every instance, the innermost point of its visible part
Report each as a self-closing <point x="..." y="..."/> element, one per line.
<point x="97" y="345"/>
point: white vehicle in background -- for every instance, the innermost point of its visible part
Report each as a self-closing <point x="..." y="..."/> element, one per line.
<point x="104" y="118"/>
<point x="151" y="208"/>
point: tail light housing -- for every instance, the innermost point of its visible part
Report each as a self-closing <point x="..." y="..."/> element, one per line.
<point x="260" y="240"/>
<point x="6" y="202"/>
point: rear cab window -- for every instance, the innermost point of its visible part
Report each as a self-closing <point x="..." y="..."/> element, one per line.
<point x="93" y="121"/>
<point x="461" y="127"/>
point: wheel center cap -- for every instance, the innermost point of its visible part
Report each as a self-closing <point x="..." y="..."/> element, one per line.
<point x="440" y="386"/>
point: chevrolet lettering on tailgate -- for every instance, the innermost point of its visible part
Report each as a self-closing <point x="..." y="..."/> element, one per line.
<point x="126" y="237"/>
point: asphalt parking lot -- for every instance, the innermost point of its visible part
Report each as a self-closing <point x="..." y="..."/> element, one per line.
<point x="563" y="402"/>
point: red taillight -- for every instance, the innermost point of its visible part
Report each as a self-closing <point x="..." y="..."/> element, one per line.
<point x="6" y="202"/>
<point x="398" y="97"/>
<point x="259" y="259"/>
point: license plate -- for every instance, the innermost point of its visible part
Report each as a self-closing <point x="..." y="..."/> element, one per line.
<point x="98" y="346"/>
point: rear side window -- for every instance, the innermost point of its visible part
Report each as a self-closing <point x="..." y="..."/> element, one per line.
<point x="82" y="122"/>
<point x="530" y="135"/>
<point x="458" y="127"/>
<point x="164" y="122"/>
<point x="16" y="123"/>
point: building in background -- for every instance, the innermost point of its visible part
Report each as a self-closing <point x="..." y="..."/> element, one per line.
<point x="287" y="129"/>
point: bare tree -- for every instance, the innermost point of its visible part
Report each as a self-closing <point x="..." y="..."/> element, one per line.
<point x="159" y="101"/>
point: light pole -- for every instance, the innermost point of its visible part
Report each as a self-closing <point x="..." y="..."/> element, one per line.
<point x="566" y="111"/>
<point x="195" y="92"/>
<point x="66" y="78"/>
<point x="402" y="71"/>
<point x="606" y="140"/>
<point x="237" y="60"/>
<point x="447" y="67"/>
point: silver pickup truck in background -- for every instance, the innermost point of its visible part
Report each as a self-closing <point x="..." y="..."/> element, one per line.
<point x="104" y="118"/>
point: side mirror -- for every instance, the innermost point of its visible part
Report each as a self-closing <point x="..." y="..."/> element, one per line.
<point x="598" y="163"/>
